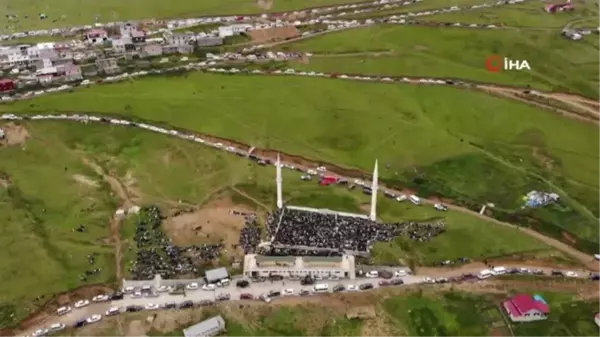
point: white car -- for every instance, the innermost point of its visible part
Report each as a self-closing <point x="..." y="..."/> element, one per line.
<point x="93" y="319"/>
<point x="192" y="286"/>
<point x="57" y="327"/>
<point x="100" y="298"/>
<point x="162" y="289"/>
<point x="571" y="274"/>
<point x="63" y="310"/>
<point x="428" y="280"/>
<point x="128" y="290"/>
<point x="372" y="274"/>
<point x="151" y="306"/>
<point x="209" y="287"/>
<point x="112" y="311"/>
<point x="351" y="287"/>
<point x="287" y="292"/>
<point x="40" y="332"/>
<point x="400" y="273"/>
<point x="81" y="304"/>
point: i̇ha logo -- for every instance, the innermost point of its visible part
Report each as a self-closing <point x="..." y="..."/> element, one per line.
<point x="497" y="63"/>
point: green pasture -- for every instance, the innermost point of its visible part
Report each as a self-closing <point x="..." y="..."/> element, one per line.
<point x="46" y="199"/>
<point x="527" y="15"/>
<point x="459" y="53"/>
<point x="81" y="12"/>
<point x="465" y="145"/>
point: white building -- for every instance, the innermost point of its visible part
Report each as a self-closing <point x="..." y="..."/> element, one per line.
<point x="210" y="327"/>
<point x="299" y="266"/>
<point x="225" y="31"/>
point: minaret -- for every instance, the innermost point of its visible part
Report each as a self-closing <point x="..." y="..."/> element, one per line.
<point x="374" y="194"/>
<point x="278" y="180"/>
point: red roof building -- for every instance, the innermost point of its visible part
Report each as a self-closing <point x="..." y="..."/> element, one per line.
<point x="7" y="85"/>
<point x="526" y="308"/>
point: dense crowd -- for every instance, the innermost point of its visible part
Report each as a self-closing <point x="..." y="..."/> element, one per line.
<point x="250" y="234"/>
<point x="320" y="230"/>
<point x="280" y="251"/>
<point x="157" y="255"/>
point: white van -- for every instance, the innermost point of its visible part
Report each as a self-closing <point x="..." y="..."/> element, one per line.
<point x="321" y="288"/>
<point x="499" y="271"/>
<point x="485" y="273"/>
<point x="414" y="199"/>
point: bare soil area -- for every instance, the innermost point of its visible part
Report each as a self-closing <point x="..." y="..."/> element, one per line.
<point x="264" y="4"/>
<point x="213" y="223"/>
<point x="14" y="134"/>
<point x="274" y="34"/>
<point x="84" y="180"/>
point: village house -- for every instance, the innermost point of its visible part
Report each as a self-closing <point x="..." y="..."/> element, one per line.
<point x="185" y="49"/>
<point x="107" y="65"/>
<point x="181" y="39"/>
<point x="71" y="72"/>
<point x="225" y="31"/>
<point x="526" y="308"/>
<point x="13" y="56"/>
<point x="209" y="41"/>
<point x="96" y="36"/>
<point x="151" y="50"/>
<point x="122" y="45"/>
<point x="138" y="36"/>
<point x="170" y="49"/>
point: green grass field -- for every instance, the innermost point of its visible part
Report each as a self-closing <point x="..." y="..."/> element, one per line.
<point x="463" y="145"/>
<point x="81" y="12"/>
<point x="460" y="53"/>
<point x="51" y="192"/>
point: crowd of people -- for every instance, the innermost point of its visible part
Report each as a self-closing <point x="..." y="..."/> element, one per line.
<point x="157" y="255"/>
<point x="250" y="234"/>
<point x="282" y="251"/>
<point x="322" y="230"/>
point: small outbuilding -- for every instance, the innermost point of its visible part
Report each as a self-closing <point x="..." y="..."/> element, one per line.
<point x="216" y="275"/>
<point x="210" y="327"/>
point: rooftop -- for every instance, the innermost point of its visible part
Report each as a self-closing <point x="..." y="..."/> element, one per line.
<point x="203" y="328"/>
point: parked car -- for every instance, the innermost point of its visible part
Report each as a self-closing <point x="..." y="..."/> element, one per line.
<point x="304" y="292"/>
<point x="170" y="305"/>
<point x="307" y="281"/>
<point x="81" y="304"/>
<point x="128" y="290"/>
<point x="152" y="294"/>
<point x="209" y="287"/>
<point x="112" y="311"/>
<point x="223" y="283"/>
<point x="400" y="273"/>
<point x="100" y="298"/>
<point x="365" y="286"/>
<point x="242" y="284"/>
<point x="594" y="277"/>
<point x="63" y="310"/>
<point x="186" y="304"/>
<point x="351" y="287"/>
<point x="56" y="327"/>
<point x="384" y="283"/>
<point x="287" y="292"/>
<point x="372" y="274"/>
<point x="223" y="297"/>
<point x="93" y="319"/>
<point x="273" y="293"/>
<point x="397" y="281"/>
<point x="134" y="308"/>
<point x="116" y="296"/>
<point x="338" y="288"/>
<point x="571" y="274"/>
<point x="151" y="306"/>
<point x="137" y="294"/>
<point x="80" y="323"/>
<point x="192" y="286"/>
<point x="556" y="273"/>
<point x="40" y="332"/>
<point x="205" y="303"/>
<point x="162" y="289"/>
<point x="246" y="297"/>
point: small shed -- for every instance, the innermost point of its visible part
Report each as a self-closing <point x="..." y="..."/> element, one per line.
<point x="215" y="275"/>
<point x="210" y="327"/>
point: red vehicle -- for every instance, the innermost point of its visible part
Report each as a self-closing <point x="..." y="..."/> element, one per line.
<point x="7" y="85"/>
<point x="246" y="297"/>
<point x="328" y="180"/>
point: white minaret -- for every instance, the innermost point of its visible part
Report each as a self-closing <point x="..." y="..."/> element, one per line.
<point x="374" y="195"/>
<point x="278" y="180"/>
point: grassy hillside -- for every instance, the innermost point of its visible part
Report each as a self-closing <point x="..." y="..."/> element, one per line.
<point x="47" y="190"/>
<point x="464" y="145"/>
<point x="460" y="53"/>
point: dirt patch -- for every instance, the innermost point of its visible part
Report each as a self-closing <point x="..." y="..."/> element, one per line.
<point x="264" y="4"/>
<point x="364" y="207"/>
<point x="87" y="181"/>
<point x="213" y="223"/>
<point x="569" y="238"/>
<point x="274" y="34"/>
<point x="5" y="180"/>
<point x="14" y="134"/>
